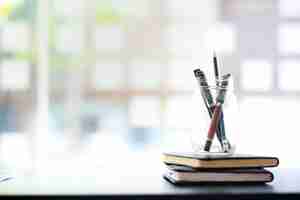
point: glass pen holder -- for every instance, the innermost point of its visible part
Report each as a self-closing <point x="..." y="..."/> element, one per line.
<point x="205" y="101"/>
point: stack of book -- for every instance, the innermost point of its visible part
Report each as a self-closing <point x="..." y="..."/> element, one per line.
<point x="187" y="168"/>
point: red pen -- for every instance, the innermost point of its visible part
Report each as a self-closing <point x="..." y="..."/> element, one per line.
<point x="213" y="126"/>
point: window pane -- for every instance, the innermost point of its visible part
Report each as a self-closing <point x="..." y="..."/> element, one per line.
<point x="179" y="8"/>
<point x="191" y="39"/>
<point x="288" y="37"/>
<point x="15" y="75"/>
<point x="181" y="112"/>
<point x="180" y="75"/>
<point x="289" y="8"/>
<point x="138" y="8"/>
<point x="184" y="40"/>
<point x="221" y="38"/>
<point x="256" y="75"/>
<point x="68" y="8"/>
<point x="103" y="115"/>
<point x="108" y="11"/>
<point x="109" y="75"/>
<point x="69" y="39"/>
<point x="145" y="75"/>
<point x="144" y="112"/>
<point x="289" y="71"/>
<point x="15" y="37"/>
<point x="109" y="37"/>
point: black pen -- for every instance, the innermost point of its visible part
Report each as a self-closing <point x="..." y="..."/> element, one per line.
<point x="216" y="70"/>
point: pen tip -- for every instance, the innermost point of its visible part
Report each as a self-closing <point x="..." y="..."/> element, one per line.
<point x="226" y="76"/>
<point x="214" y="53"/>
<point x="198" y="72"/>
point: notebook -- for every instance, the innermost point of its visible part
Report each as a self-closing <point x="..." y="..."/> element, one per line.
<point x="206" y="160"/>
<point x="186" y="175"/>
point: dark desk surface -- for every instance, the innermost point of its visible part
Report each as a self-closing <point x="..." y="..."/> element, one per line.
<point x="134" y="183"/>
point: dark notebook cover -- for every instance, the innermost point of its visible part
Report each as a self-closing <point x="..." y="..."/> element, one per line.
<point x="181" y="168"/>
<point x="182" y="174"/>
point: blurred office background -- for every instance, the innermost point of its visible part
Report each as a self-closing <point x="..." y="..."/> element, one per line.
<point x="95" y="79"/>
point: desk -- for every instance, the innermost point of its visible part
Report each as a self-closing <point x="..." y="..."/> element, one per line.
<point x="134" y="184"/>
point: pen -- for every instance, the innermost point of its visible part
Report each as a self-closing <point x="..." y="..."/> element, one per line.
<point x="217" y="112"/>
<point x="213" y="126"/>
<point x="216" y="70"/>
<point x="199" y="77"/>
<point x="206" y="96"/>
<point x="204" y="88"/>
<point x="221" y="134"/>
<point x="225" y="143"/>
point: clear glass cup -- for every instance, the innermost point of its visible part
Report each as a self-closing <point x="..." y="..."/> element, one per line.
<point x="219" y="94"/>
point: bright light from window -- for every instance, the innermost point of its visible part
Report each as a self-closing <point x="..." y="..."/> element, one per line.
<point x="179" y="8"/>
<point x="108" y="75"/>
<point x="68" y="8"/>
<point x="289" y="71"/>
<point x="256" y="75"/>
<point x="15" y="75"/>
<point x="69" y="39"/>
<point x="289" y="8"/>
<point x="15" y="37"/>
<point x="109" y="37"/>
<point x="180" y="75"/>
<point x="144" y="112"/>
<point x="288" y="37"/>
<point x="182" y="112"/>
<point x="145" y="75"/>
<point x="139" y="8"/>
<point x="221" y="38"/>
<point x="184" y="40"/>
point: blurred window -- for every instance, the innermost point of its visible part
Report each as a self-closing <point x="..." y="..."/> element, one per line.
<point x="256" y="75"/>
<point x="289" y="71"/>
<point x="289" y="8"/>
<point x="145" y="75"/>
<point x="16" y="37"/>
<point x="109" y="37"/>
<point x="17" y="65"/>
<point x="68" y="8"/>
<point x="288" y="35"/>
<point x="144" y="112"/>
<point x="182" y="105"/>
<point x="180" y="9"/>
<point x="184" y="39"/>
<point x="69" y="39"/>
<point x="266" y="40"/>
<point x="118" y="68"/>
<point x="15" y="75"/>
<point x="109" y="76"/>
<point x="180" y="75"/>
<point x="221" y="38"/>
